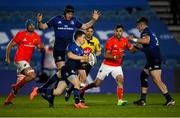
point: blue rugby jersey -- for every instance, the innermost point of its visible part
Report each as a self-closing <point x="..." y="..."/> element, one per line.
<point x="151" y="50"/>
<point x="64" y="31"/>
<point x="74" y="48"/>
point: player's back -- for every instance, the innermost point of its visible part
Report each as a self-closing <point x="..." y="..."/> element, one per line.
<point x="151" y="50"/>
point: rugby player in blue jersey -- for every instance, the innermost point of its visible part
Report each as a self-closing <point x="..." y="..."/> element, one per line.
<point x="64" y="27"/>
<point x="75" y="57"/>
<point x="151" y="49"/>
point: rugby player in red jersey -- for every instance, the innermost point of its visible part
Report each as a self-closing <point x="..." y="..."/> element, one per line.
<point x="114" y="51"/>
<point x="26" y="40"/>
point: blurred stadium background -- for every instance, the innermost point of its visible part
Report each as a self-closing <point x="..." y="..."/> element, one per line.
<point x="164" y="20"/>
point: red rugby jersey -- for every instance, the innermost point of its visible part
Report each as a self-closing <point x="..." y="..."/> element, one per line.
<point x="116" y="47"/>
<point x="26" y="45"/>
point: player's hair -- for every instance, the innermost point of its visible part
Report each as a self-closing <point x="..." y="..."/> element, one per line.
<point x="68" y="8"/>
<point x="142" y="20"/>
<point x="91" y="27"/>
<point x="78" y="33"/>
<point x="119" y="26"/>
<point x="29" y="21"/>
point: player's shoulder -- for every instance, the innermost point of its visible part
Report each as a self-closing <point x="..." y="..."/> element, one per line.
<point x="36" y="34"/>
<point x="124" y="39"/>
<point x="95" y="39"/>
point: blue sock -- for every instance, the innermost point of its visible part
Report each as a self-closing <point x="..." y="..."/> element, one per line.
<point x="76" y="95"/>
<point x="51" y="80"/>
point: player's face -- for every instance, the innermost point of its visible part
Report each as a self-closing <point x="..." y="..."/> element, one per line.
<point x="140" y="27"/>
<point x="69" y="15"/>
<point x="118" y="33"/>
<point x="82" y="39"/>
<point x="89" y="32"/>
<point x="30" y="28"/>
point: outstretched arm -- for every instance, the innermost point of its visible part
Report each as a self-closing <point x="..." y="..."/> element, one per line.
<point x="95" y="16"/>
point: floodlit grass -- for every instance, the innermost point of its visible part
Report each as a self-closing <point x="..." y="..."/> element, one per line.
<point x="100" y="105"/>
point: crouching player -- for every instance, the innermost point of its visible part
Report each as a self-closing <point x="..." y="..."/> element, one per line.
<point x="69" y="72"/>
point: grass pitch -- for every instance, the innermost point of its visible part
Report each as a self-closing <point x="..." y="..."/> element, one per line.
<point x="100" y="105"/>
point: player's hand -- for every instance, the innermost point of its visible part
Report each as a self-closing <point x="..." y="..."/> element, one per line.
<point x="39" y="17"/>
<point x="41" y="47"/>
<point x="96" y="14"/>
<point x="85" y="58"/>
<point x="130" y="37"/>
<point x="7" y="60"/>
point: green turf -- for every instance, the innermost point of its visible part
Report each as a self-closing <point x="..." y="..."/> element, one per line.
<point x="100" y="105"/>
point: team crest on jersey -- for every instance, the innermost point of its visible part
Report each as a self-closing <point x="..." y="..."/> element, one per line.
<point x="72" y="22"/>
<point x="25" y="39"/>
<point x="35" y="40"/>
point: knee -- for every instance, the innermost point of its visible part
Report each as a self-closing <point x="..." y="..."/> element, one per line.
<point x="98" y="82"/>
<point x="120" y="79"/>
<point x="32" y="75"/>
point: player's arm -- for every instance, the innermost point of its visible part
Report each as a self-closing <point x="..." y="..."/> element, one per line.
<point x="8" y="50"/>
<point x="144" y="40"/>
<point x="73" y="56"/>
<point x="95" y="16"/>
<point x="41" y="25"/>
<point x="108" y="55"/>
<point x="41" y="47"/>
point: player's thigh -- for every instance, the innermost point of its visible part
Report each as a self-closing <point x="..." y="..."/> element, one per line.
<point x="82" y="75"/>
<point x="23" y="67"/>
<point x="103" y="71"/>
<point x="74" y="80"/>
<point x="60" y="88"/>
<point x="117" y="72"/>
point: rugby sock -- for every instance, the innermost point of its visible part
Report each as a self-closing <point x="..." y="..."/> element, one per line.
<point x="120" y="93"/>
<point x="53" y="79"/>
<point x="47" y="91"/>
<point x="10" y="97"/>
<point x="76" y="95"/>
<point x="89" y="86"/>
<point x="19" y="84"/>
<point x="167" y="96"/>
<point x="70" y="89"/>
<point x="143" y="96"/>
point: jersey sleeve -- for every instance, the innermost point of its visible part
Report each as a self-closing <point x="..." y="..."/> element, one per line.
<point x="70" y="48"/>
<point x="78" y="24"/>
<point x="108" y="45"/>
<point x="50" y="23"/>
<point x="97" y="46"/>
<point x="17" y="37"/>
<point x="145" y="33"/>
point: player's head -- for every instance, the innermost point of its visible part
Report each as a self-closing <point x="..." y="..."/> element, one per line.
<point x="79" y="37"/>
<point x="118" y="31"/>
<point x="142" y="23"/>
<point x="89" y="32"/>
<point x="68" y="12"/>
<point x="30" y="25"/>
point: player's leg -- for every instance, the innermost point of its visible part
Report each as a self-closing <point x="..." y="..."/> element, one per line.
<point x="156" y="75"/>
<point x="13" y="93"/>
<point x="53" y="78"/>
<point x="118" y="76"/>
<point x="144" y="86"/>
<point x="75" y="81"/>
<point x="25" y="69"/>
<point x="103" y="71"/>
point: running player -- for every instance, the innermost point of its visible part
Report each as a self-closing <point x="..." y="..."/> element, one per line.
<point x="114" y="51"/>
<point x="91" y="45"/>
<point x="26" y="40"/>
<point x="151" y="49"/>
<point x="75" y="57"/>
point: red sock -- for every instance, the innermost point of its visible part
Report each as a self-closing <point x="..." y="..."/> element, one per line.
<point x="120" y="92"/>
<point x="10" y="97"/>
<point x="20" y="83"/>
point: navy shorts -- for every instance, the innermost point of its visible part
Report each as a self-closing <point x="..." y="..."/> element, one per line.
<point x="153" y="65"/>
<point x="59" y="56"/>
<point x="67" y="72"/>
